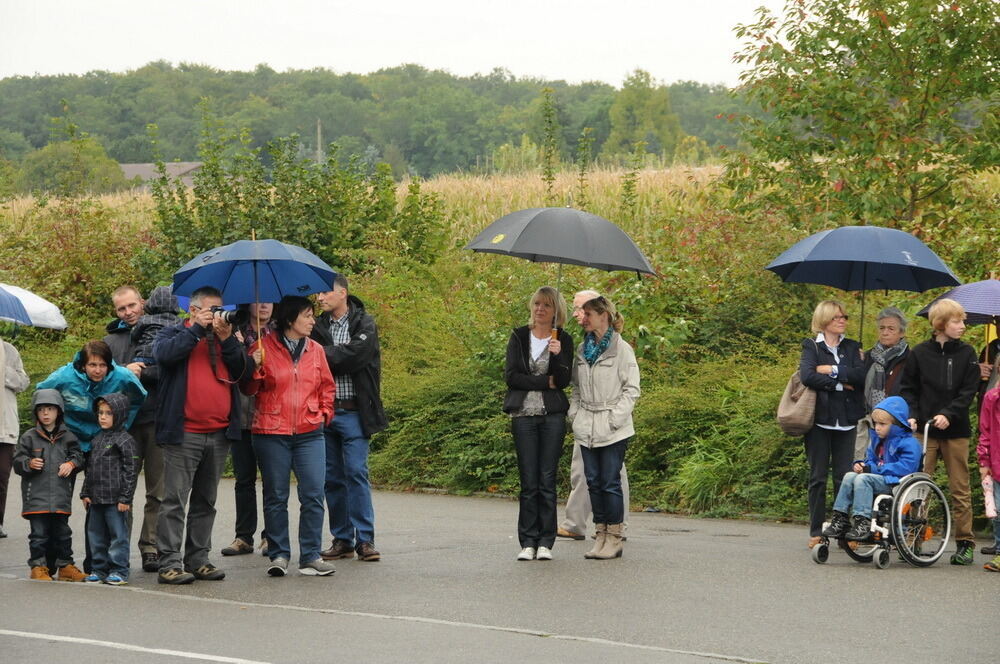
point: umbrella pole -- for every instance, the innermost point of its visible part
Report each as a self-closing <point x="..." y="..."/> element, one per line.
<point x="555" y="329"/>
<point x="861" y="340"/>
<point x="256" y="308"/>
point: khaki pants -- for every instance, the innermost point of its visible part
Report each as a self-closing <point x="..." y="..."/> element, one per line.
<point x="955" y="454"/>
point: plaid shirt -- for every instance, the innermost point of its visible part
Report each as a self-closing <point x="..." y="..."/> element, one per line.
<point x="341" y="334"/>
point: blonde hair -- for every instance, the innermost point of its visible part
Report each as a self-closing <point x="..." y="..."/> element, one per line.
<point x="554" y="298"/>
<point x="943" y="311"/>
<point x="824" y="313"/>
<point x="603" y="305"/>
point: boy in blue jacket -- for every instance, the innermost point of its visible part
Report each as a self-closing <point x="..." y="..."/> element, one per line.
<point x="892" y="454"/>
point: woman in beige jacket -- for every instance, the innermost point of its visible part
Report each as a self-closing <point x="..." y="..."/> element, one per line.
<point x="605" y="388"/>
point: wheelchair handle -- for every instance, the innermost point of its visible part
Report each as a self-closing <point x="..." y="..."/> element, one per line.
<point x="927" y="430"/>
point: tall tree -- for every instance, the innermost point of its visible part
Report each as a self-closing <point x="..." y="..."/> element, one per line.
<point x="876" y="107"/>
<point x="642" y="112"/>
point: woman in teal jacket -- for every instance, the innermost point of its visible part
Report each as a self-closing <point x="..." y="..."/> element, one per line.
<point x="92" y="374"/>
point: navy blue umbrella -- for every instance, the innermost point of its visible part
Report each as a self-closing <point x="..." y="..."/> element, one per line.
<point x="250" y="271"/>
<point x="862" y="258"/>
<point x="980" y="299"/>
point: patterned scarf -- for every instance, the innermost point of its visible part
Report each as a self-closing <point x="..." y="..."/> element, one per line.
<point x="593" y="349"/>
<point x="875" y="380"/>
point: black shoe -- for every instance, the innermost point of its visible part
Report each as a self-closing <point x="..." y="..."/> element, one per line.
<point x="839" y="523"/>
<point x="861" y="528"/>
<point x="151" y="562"/>
<point x="989" y="550"/>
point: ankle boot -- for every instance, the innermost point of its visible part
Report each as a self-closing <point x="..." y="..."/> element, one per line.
<point x="860" y="528"/>
<point x="612" y="543"/>
<point x="602" y="530"/>
<point x="839" y="523"/>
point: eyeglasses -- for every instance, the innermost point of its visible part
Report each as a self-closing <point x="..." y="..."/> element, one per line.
<point x="841" y="317"/>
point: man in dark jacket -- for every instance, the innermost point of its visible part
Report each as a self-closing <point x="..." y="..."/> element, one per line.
<point x="350" y="339"/>
<point x="939" y="380"/>
<point x="200" y="362"/>
<point x="129" y="309"/>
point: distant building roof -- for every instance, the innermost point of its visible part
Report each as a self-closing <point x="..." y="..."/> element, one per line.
<point x="184" y="170"/>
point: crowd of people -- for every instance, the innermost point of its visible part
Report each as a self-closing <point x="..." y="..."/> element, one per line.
<point x="171" y="397"/>
<point x="286" y="392"/>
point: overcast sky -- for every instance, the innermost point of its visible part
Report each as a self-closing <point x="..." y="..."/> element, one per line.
<point x="575" y="40"/>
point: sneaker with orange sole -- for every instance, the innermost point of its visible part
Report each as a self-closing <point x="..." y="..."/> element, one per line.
<point x="70" y="573"/>
<point x="40" y="573"/>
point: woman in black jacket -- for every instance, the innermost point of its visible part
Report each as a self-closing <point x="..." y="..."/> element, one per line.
<point x="831" y="364"/>
<point x="537" y="370"/>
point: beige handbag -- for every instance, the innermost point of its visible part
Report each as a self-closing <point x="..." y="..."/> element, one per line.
<point x="797" y="408"/>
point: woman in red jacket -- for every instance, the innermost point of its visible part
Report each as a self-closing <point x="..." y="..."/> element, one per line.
<point x="294" y="390"/>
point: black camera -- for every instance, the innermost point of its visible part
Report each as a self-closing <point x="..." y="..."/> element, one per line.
<point x="235" y="317"/>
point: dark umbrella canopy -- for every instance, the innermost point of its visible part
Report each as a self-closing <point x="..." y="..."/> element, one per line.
<point x="255" y="271"/>
<point x="859" y="258"/>
<point x="562" y="235"/>
<point x="980" y="299"/>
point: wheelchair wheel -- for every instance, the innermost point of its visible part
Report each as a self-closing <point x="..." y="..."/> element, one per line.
<point x="820" y="553"/>
<point x="921" y="522"/>
<point x="882" y="558"/>
<point x="862" y="552"/>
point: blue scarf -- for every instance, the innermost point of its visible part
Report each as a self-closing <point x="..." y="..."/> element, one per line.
<point x="593" y="349"/>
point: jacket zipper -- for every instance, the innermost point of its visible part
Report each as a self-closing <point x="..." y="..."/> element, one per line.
<point x="949" y="372"/>
<point x="295" y="392"/>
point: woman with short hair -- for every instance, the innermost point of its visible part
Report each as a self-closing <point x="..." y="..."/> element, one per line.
<point x="605" y="389"/>
<point x="294" y="390"/>
<point x="537" y="371"/>
<point x="831" y="365"/>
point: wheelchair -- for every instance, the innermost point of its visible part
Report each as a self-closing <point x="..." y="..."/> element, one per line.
<point x="914" y="520"/>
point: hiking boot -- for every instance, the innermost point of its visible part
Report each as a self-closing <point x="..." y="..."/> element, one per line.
<point x="965" y="554"/>
<point x="40" y="573"/>
<point x="208" y="572"/>
<point x="993" y="565"/>
<point x="861" y="528"/>
<point x="174" y="577"/>
<point x="367" y="553"/>
<point x="318" y="567"/>
<point x="278" y="567"/>
<point x="839" y="523"/>
<point x="338" y="549"/>
<point x="70" y="573"/>
<point x="238" y="548"/>
<point x="150" y="561"/>
<point x="115" y="580"/>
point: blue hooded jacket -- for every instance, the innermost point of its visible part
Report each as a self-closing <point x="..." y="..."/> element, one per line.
<point x="902" y="452"/>
<point x="79" y="392"/>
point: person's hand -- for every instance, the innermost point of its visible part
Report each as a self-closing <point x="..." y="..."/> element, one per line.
<point x="86" y="503"/>
<point x="554" y="346"/>
<point x="203" y="317"/>
<point x="223" y="330"/>
<point x="859" y="467"/>
<point x="136" y="367"/>
<point x="940" y="422"/>
<point x="824" y="369"/>
<point x="36" y="464"/>
<point x="848" y="386"/>
<point x="65" y="469"/>
<point x="124" y="507"/>
<point x="913" y="423"/>
<point x="552" y="382"/>
<point x="239" y="336"/>
<point x="985" y="368"/>
<point x="984" y="472"/>
<point x="257" y="356"/>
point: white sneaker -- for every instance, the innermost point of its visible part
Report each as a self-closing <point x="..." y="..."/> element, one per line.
<point x="544" y="553"/>
<point x="278" y="567"/>
<point x="527" y="553"/>
<point x="318" y="567"/>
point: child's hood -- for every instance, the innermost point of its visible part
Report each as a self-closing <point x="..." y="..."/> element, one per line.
<point x="47" y="397"/>
<point x="896" y="406"/>
<point x="119" y="408"/>
<point x="161" y="301"/>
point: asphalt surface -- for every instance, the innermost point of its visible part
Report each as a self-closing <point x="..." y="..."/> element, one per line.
<point x="449" y="590"/>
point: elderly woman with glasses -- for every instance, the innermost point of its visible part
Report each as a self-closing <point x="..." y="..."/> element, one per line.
<point x="830" y="364"/>
<point x="883" y="367"/>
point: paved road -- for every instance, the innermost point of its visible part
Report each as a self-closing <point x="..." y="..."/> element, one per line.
<point x="448" y="589"/>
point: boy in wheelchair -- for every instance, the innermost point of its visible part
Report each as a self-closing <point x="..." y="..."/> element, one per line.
<point x="892" y="454"/>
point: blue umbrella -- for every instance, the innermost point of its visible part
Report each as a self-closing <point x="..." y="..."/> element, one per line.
<point x="980" y="299"/>
<point x="18" y="305"/>
<point x="862" y="258"/>
<point x="12" y="310"/>
<point x="250" y="271"/>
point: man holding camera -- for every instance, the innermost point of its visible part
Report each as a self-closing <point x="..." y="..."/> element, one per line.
<point x="201" y="362"/>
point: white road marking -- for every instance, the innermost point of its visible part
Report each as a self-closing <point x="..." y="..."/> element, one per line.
<point x="128" y="646"/>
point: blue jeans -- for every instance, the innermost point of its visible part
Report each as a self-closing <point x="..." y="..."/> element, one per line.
<point x="603" y="469"/>
<point x="108" y="530"/>
<point x="538" y="440"/>
<point x="857" y="493"/>
<point x="305" y="455"/>
<point x="348" y="492"/>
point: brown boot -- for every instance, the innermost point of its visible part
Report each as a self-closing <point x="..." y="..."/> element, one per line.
<point x="40" y="573"/>
<point x="602" y="529"/>
<point x="612" y="543"/>
<point x="70" y="573"/>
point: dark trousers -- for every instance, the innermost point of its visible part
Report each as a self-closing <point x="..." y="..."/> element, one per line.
<point x="50" y="532"/>
<point x="826" y="450"/>
<point x="245" y="467"/>
<point x="603" y="469"/>
<point x="538" y="441"/>
<point x="6" y="456"/>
